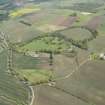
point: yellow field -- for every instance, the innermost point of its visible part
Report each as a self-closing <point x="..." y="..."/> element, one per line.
<point x="23" y="11"/>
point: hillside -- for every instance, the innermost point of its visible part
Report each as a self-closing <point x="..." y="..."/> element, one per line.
<point x="57" y="53"/>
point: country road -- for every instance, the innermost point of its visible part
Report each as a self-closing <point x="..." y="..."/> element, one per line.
<point x="33" y="95"/>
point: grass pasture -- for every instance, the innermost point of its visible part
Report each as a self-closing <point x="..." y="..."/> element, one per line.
<point x="77" y="34"/>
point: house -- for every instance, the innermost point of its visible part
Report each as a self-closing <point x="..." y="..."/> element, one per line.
<point x="102" y="56"/>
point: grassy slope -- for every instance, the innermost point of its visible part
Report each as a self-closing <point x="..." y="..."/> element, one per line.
<point x="76" y="34"/>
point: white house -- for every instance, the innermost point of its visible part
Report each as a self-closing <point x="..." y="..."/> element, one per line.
<point x="102" y="56"/>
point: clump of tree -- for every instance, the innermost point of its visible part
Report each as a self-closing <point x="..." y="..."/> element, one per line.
<point x="94" y="56"/>
<point x="74" y="14"/>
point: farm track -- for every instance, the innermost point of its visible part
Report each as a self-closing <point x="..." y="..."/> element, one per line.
<point x="33" y="95"/>
<point x="75" y="70"/>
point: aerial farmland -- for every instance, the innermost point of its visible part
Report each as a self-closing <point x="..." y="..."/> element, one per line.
<point x="52" y="52"/>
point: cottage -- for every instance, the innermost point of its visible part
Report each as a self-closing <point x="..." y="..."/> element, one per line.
<point x="102" y="56"/>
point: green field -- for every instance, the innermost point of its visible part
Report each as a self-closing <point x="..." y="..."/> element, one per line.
<point x="34" y="76"/>
<point x="47" y="44"/>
